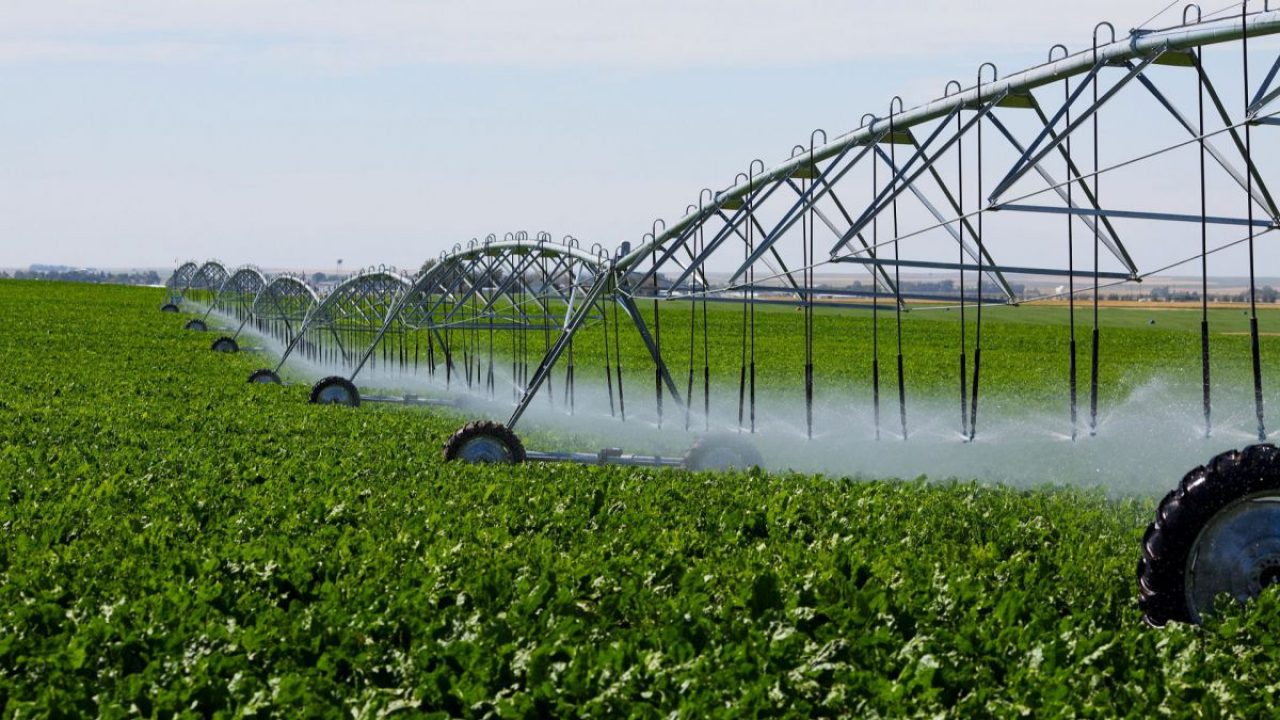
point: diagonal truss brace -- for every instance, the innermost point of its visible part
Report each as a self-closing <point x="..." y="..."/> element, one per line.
<point x="899" y="184"/>
<point x="1110" y="238"/>
<point x="1234" y="132"/>
<point x="949" y="224"/>
<point x="1035" y="153"/>
<point x="809" y="198"/>
<point x="1260" y="195"/>
<point x="1263" y="98"/>
<point x="604" y="282"/>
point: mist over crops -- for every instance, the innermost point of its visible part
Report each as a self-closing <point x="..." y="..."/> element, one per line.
<point x="1150" y="430"/>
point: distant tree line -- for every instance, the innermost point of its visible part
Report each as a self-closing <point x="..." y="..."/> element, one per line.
<point x="1164" y="293"/>
<point x="935" y="287"/>
<point x="147" y="277"/>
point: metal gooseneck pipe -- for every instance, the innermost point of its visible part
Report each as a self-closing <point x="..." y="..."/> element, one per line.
<point x="1133" y="47"/>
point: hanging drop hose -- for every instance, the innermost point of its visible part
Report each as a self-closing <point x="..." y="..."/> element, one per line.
<point x="1204" y="262"/>
<point x="977" y="331"/>
<point x="751" y="280"/>
<point x="617" y="355"/>
<point x="1097" y="236"/>
<point x="752" y="367"/>
<point x="569" y="382"/>
<point x="688" y="392"/>
<point x="490" y="378"/>
<point x="547" y="280"/>
<point x="515" y="345"/>
<point x="568" y="379"/>
<point x="808" y="303"/>
<point x="808" y="327"/>
<point x="449" y="337"/>
<point x="964" y="393"/>
<point x="1253" y="286"/>
<point x="804" y="316"/>
<point x="657" y="329"/>
<point x="706" y="353"/>
<point x="1072" y="384"/>
<point x="608" y="363"/>
<point x="466" y="353"/>
<point x="473" y="335"/>
<point x="742" y="366"/>
<point x="875" y="300"/>
<point x="522" y="336"/>
<point x="448" y="357"/>
<point x="431" y="354"/>
<point x="897" y="276"/>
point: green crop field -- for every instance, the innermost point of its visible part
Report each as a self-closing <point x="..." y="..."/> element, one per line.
<point x="178" y="542"/>
<point x="1025" y="348"/>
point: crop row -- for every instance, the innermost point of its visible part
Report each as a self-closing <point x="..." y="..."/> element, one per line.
<point x="178" y="542"/>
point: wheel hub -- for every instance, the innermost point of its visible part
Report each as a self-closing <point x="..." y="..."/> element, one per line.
<point x="1270" y="573"/>
<point x="484" y="450"/>
<point x="334" y="394"/>
<point x="1238" y="554"/>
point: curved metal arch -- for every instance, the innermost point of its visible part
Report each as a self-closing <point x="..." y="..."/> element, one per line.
<point x="182" y="275"/>
<point x="514" y="285"/>
<point x="548" y="248"/>
<point x="237" y="293"/>
<point x="209" y="277"/>
<point x="205" y="285"/>
<point x="359" y="304"/>
<point x="286" y="298"/>
<point x="464" y="274"/>
<point x="245" y="279"/>
<point x="180" y="280"/>
<point x="1136" y="47"/>
<point x="364" y="284"/>
<point x="282" y="306"/>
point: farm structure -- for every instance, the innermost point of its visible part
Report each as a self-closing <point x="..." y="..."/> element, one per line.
<point x="1044" y="157"/>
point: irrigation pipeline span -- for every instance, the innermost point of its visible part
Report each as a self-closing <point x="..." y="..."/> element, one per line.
<point x="1129" y="157"/>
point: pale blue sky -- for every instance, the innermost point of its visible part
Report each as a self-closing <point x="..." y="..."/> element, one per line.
<point x="292" y="133"/>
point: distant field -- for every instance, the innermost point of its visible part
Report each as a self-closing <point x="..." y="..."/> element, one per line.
<point x="1025" y="348"/>
<point x="179" y="542"/>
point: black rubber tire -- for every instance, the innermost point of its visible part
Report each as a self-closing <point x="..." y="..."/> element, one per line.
<point x="264" y="377"/>
<point x="1185" y="512"/>
<point x="457" y="442"/>
<point x="169" y="308"/>
<point x="722" y="451"/>
<point x="196" y="325"/>
<point x="225" y="344"/>
<point x="352" y="394"/>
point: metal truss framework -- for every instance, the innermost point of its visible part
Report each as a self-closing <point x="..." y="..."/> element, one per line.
<point x="502" y="309"/>
<point x="472" y="297"/>
<point x="342" y="323"/>
<point x="929" y="188"/>
<point x="178" y="282"/>
<point x="205" y="284"/>
<point x="235" y="297"/>
<point x="843" y="202"/>
<point x="282" y="307"/>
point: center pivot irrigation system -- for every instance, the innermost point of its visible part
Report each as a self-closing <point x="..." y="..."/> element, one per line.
<point x="1095" y="158"/>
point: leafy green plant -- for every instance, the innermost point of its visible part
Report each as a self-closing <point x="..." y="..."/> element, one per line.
<point x="179" y="542"/>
